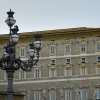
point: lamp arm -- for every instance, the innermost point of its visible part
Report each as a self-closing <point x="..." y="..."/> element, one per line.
<point x="35" y="61"/>
<point x="17" y="63"/>
<point x="3" y="63"/>
<point x="28" y="65"/>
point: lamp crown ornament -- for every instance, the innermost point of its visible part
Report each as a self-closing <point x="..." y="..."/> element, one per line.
<point x="10" y="13"/>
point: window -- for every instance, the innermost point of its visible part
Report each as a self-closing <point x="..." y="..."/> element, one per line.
<point x="68" y="94"/>
<point x="83" y="60"/>
<point x="2" y="75"/>
<point x="98" y="59"/>
<point x="83" y="70"/>
<point x="22" y="52"/>
<point x="67" y="49"/>
<point x="98" y="65"/>
<point x="30" y="74"/>
<point x="83" y="94"/>
<point x="52" y="72"/>
<point x="23" y="75"/>
<point x="98" y="46"/>
<point x="36" y="95"/>
<point x="98" y="69"/>
<point x="52" y="50"/>
<point x="53" y="62"/>
<point x="83" y="47"/>
<point x="17" y="75"/>
<point x="97" y="93"/>
<point x="52" y="94"/>
<point x="37" y="72"/>
<point x="68" y="71"/>
<point x="68" y="60"/>
<point x="1" y="51"/>
<point x="52" y="68"/>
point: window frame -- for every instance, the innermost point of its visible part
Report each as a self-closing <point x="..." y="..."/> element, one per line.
<point x="82" y="91"/>
<point x="97" y="46"/>
<point x="52" y="72"/>
<point x="65" y="49"/>
<point x="68" y="95"/>
<point x="23" y="51"/>
<point x="83" y="60"/>
<point x="37" y="72"/>
<point x="66" y="60"/>
<point x="98" y="60"/>
<point x="67" y="71"/>
<point x="83" y="71"/>
<point x="83" y="47"/>
<point x="97" y="96"/>
<point x="52" y="47"/>
<point x="52" y="94"/>
<point x="36" y="95"/>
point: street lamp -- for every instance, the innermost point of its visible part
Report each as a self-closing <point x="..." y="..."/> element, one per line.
<point x="9" y="62"/>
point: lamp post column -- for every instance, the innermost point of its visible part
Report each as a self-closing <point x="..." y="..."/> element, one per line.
<point x="10" y="85"/>
<point x="9" y="62"/>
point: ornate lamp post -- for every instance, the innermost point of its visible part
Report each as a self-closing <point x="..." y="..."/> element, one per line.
<point x="9" y="62"/>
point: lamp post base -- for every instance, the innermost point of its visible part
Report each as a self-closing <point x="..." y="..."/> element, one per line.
<point x="16" y="95"/>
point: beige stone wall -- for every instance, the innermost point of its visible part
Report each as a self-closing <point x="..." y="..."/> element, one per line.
<point x="60" y="82"/>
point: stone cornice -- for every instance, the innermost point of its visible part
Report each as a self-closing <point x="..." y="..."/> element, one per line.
<point x="70" y="32"/>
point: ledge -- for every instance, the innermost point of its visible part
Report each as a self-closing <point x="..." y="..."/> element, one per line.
<point x="18" y="93"/>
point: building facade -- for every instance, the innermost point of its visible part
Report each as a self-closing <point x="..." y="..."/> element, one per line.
<point x="69" y="66"/>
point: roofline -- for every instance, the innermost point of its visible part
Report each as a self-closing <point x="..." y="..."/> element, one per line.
<point x="58" y="31"/>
